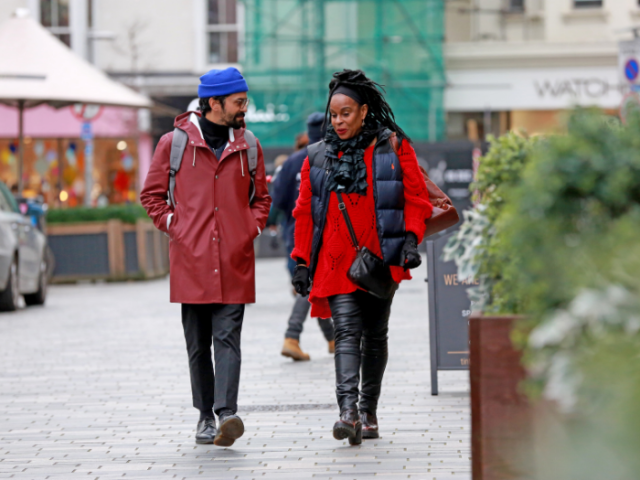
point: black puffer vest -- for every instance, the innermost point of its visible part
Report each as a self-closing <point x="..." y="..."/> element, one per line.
<point x="388" y="195"/>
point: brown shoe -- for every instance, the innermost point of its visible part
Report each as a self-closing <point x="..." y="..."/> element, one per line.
<point x="369" y="425"/>
<point x="291" y="349"/>
<point x="332" y="346"/>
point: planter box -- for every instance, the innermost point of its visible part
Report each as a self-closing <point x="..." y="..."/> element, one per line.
<point x="108" y="250"/>
<point x="501" y="416"/>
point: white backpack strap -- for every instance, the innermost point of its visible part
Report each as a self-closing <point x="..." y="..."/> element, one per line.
<point x="178" y="145"/>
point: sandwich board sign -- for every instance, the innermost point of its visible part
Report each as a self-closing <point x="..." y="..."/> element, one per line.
<point x="449" y="312"/>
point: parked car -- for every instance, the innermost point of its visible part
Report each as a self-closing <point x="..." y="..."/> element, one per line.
<point x="23" y="256"/>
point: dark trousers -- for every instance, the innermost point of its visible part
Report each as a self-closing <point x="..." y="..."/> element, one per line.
<point x="299" y="315"/>
<point x="361" y="324"/>
<point x="223" y="324"/>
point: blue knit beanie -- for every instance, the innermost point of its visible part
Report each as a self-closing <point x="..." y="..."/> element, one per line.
<point x="221" y="82"/>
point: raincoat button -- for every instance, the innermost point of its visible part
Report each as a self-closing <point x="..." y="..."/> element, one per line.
<point x="216" y="177"/>
<point x="192" y="141"/>
<point x="216" y="209"/>
<point x="214" y="239"/>
<point x="216" y="270"/>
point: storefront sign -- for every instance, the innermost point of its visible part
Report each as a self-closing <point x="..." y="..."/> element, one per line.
<point x="449" y="311"/>
<point x="533" y="89"/>
<point x="270" y="114"/>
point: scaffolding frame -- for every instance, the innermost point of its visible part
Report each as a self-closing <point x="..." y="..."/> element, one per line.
<point x="292" y="47"/>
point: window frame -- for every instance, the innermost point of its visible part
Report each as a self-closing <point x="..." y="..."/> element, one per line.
<point x="517" y="8"/>
<point x="223" y="28"/>
<point x="54" y="28"/>
<point x="582" y="4"/>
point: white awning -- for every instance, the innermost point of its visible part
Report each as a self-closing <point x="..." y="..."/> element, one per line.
<point x="36" y="67"/>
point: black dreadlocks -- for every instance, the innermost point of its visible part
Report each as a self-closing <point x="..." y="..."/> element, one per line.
<point x="372" y="94"/>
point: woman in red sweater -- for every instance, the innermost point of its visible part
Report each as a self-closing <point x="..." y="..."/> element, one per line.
<point x="369" y="161"/>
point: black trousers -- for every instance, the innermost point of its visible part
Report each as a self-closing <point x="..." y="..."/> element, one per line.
<point x="361" y="323"/>
<point x="223" y="324"/>
<point x="298" y="317"/>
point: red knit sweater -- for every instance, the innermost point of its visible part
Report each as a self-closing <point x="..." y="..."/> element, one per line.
<point x="337" y="252"/>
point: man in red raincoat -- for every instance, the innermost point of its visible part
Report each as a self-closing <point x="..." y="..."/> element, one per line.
<point x="221" y="206"/>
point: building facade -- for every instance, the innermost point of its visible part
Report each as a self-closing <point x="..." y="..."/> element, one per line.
<point x="523" y="63"/>
<point x="288" y="50"/>
<point x="60" y="143"/>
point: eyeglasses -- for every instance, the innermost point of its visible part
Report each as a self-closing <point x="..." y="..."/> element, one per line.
<point x="241" y="102"/>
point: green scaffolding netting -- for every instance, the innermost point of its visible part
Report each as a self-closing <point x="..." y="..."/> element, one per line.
<point x="292" y="47"/>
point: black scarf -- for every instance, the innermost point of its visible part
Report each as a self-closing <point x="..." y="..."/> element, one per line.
<point x="348" y="174"/>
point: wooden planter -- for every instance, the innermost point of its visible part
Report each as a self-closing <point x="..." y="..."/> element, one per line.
<point x="501" y="416"/>
<point x="108" y="250"/>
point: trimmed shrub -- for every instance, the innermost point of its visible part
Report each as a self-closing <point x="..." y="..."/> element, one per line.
<point x="125" y="213"/>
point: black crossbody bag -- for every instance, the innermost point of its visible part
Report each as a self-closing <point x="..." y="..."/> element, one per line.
<point x="368" y="271"/>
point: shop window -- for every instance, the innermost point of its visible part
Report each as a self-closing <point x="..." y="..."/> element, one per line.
<point x="54" y="15"/>
<point x="587" y="3"/>
<point x="222" y="31"/>
<point x="54" y="170"/>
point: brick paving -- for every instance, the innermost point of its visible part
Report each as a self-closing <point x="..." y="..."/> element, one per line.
<point x="95" y="385"/>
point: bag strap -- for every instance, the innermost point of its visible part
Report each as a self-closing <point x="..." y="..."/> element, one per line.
<point x="178" y="145"/>
<point x="345" y="214"/>
<point x="252" y="154"/>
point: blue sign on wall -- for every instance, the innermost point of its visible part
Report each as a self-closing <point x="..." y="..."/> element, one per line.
<point x="632" y="70"/>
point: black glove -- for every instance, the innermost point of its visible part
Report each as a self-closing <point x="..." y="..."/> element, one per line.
<point x="301" y="281"/>
<point x="410" y="257"/>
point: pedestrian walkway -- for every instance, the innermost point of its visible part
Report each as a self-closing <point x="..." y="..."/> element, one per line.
<point x="96" y="385"/>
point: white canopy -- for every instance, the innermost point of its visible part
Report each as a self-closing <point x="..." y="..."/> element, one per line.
<point x="36" y="68"/>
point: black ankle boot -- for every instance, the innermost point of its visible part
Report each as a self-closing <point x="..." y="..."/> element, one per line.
<point x="369" y="425"/>
<point x="349" y="426"/>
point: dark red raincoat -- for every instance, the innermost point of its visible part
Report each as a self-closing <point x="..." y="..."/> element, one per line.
<point x="213" y="225"/>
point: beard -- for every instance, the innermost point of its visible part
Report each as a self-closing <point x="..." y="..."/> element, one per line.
<point x="234" y="121"/>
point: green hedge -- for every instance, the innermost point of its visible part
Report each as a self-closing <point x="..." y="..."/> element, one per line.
<point x="125" y="213"/>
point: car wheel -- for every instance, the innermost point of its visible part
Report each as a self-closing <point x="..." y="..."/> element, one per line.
<point x="40" y="296"/>
<point x="10" y="297"/>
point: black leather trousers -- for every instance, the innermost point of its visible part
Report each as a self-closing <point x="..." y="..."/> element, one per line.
<point x="361" y="325"/>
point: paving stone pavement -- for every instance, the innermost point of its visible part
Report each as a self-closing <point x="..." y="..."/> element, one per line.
<point x="95" y="385"/>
